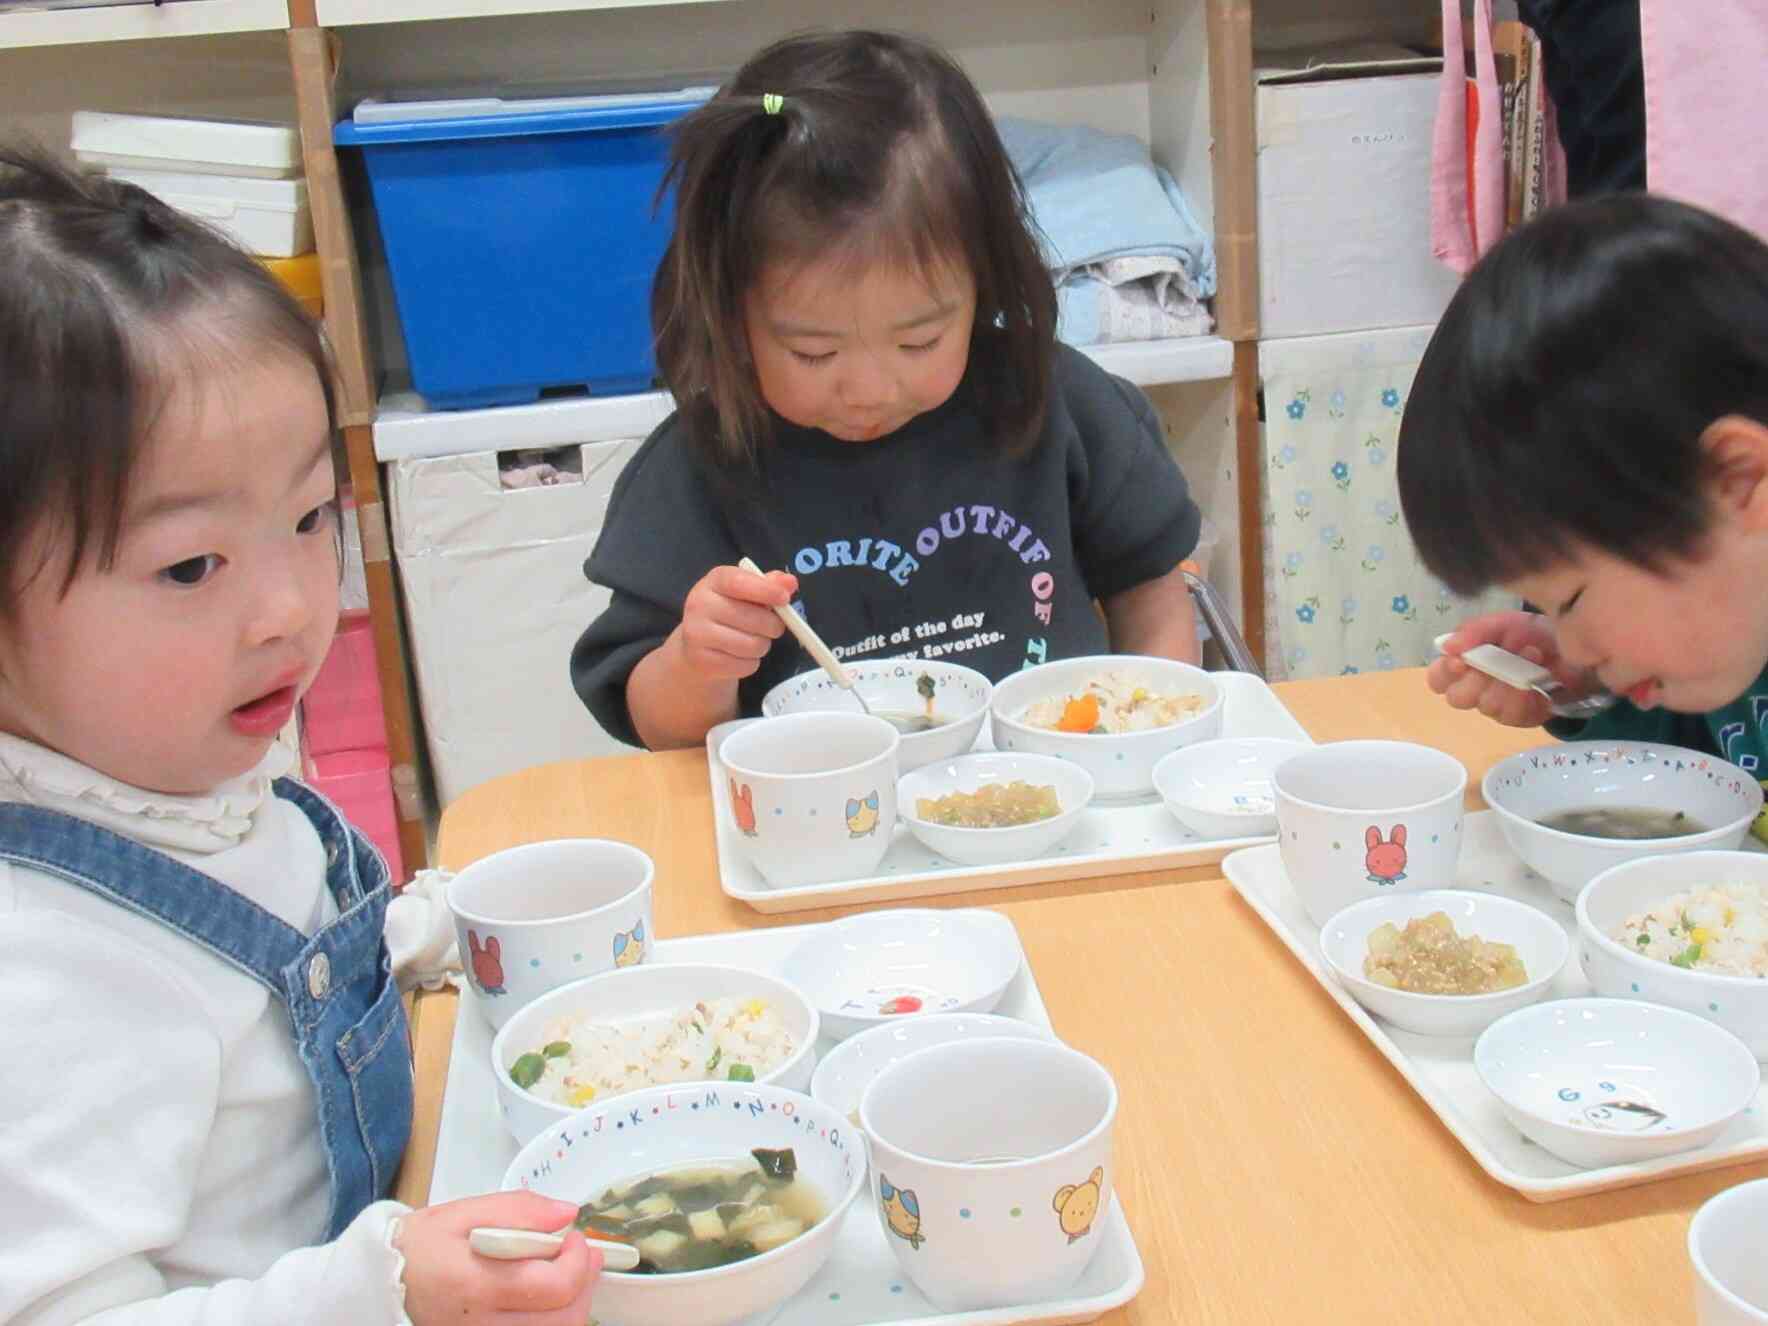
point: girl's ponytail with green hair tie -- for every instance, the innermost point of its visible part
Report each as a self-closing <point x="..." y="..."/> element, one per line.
<point x="771" y="102"/>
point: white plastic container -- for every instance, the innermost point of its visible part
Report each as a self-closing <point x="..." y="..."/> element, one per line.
<point x="190" y="147"/>
<point x="270" y="218"/>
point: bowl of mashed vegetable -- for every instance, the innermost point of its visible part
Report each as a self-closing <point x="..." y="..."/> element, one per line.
<point x="1114" y="715"/>
<point x="1690" y="931"/>
<point x="1444" y="962"/>
<point x="991" y="807"/>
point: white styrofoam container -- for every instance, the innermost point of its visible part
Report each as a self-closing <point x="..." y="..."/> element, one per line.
<point x="192" y="147"/>
<point x="495" y="597"/>
<point x="267" y="217"/>
<point x="1344" y="171"/>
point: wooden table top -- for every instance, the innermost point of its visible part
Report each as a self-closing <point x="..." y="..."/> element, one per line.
<point x="1273" y="1166"/>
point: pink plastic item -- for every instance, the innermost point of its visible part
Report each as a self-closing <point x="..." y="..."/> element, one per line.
<point x="1455" y="238"/>
<point x="360" y="784"/>
<point x="1460" y="234"/>
<point x="342" y="710"/>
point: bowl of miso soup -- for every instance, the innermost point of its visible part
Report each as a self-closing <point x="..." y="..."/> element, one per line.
<point x="938" y="707"/>
<point x="1574" y="810"/>
<point x="732" y="1193"/>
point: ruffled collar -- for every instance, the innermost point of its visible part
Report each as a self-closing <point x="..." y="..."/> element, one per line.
<point x="212" y="822"/>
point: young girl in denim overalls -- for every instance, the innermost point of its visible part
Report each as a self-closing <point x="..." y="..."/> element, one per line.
<point x="208" y="1083"/>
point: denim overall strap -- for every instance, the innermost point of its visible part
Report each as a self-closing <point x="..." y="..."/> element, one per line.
<point x="343" y="1004"/>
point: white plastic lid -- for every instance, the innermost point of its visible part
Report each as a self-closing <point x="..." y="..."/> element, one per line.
<point x="372" y="111"/>
<point x="209" y="147"/>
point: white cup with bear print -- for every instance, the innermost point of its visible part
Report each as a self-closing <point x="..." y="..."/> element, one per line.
<point x="1360" y="819"/>
<point x="992" y="1168"/>
<point x="532" y="918"/>
<point x="812" y="795"/>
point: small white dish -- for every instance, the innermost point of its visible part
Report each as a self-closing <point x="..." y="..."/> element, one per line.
<point x="1635" y="775"/>
<point x="889" y="685"/>
<point x="638" y="994"/>
<point x="1601" y="1082"/>
<point x="847" y="1070"/>
<point x="881" y="966"/>
<point x="1725" y="1246"/>
<point x="968" y="773"/>
<point x="1737" y="1003"/>
<point x="1540" y="942"/>
<point x="665" y="1127"/>
<point x="1121" y="763"/>
<point x="1222" y="788"/>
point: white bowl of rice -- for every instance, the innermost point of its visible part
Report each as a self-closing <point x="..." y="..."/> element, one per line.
<point x="1688" y="930"/>
<point x="654" y="1025"/>
<point x="1141" y="709"/>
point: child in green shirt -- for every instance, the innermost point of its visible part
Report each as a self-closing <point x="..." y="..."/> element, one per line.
<point x="1589" y="428"/>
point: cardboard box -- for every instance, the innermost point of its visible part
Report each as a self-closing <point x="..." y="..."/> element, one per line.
<point x="495" y="597"/>
<point x="1344" y="168"/>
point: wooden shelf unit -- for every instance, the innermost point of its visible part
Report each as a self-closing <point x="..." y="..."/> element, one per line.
<point x="1194" y="100"/>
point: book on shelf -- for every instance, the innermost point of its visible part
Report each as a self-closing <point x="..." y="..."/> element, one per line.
<point x="1522" y="106"/>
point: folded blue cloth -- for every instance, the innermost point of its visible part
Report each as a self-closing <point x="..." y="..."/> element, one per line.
<point x="1097" y="195"/>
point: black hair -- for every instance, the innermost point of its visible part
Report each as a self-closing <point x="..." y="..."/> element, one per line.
<point x="97" y="278"/>
<point x="878" y="148"/>
<point x="1563" y="397"/>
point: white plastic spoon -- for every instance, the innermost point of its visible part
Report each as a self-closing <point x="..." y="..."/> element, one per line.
<point x="813" y="643"/>
<point x="1519" y="673"/>
<point x="514" y="1245"/>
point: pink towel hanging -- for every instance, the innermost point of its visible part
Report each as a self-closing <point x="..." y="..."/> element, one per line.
<point x="1460" y="235"/>
<point x="1704" y="141"/>
<point x="1457" y="237"/>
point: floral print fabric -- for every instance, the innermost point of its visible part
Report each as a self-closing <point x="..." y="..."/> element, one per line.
<point x="1344" y="589"/>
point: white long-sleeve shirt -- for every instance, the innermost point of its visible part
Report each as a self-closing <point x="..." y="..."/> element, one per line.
<point x="160" y="1160"/>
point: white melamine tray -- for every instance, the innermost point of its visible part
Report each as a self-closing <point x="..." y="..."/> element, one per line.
<point x="861" y="1285"/>
<point x="1440" y="1069"/>
<point x="1112" y="838"/>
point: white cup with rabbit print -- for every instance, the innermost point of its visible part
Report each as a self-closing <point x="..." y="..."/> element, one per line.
<point x="812" y="795"/>
<point x="986" y="1204"/>
<point x="1358" y="819"/>
<point x="535" y="917"/>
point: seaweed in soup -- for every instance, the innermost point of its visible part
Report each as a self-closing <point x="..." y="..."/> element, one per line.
<point x="706" y="1214"/>
<point x="1622" y="822"/>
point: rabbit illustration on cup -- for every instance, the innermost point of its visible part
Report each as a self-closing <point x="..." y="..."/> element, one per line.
<point x="487" y="963"/>
<point x="743" y="807"/>
<point x="1386" y="861"/>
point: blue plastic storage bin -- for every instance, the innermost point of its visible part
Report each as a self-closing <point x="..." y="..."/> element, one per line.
<point x="521" y="239"/>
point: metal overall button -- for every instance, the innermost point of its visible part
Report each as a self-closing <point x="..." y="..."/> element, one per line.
<point x="319" y="976"/>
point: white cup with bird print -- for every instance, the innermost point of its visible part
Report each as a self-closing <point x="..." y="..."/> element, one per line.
<point x="812" y="795"/>
<point x="535" y="917"/>
<point x="985" y="1206"/>
<point x="1362" y="819"/>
